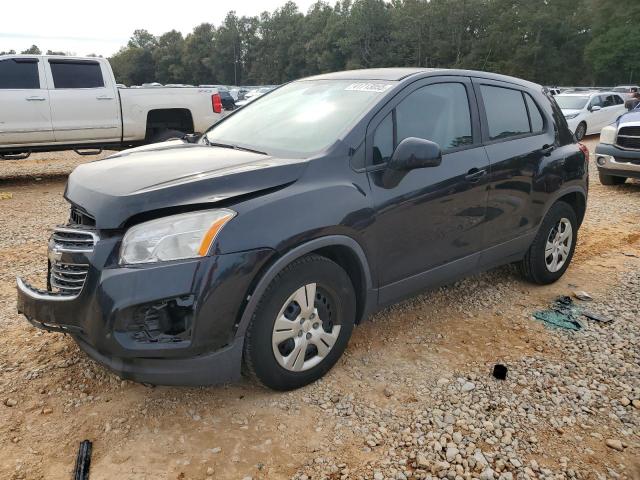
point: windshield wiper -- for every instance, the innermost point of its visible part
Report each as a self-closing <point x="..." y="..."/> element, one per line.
<point x="234" y="147"/>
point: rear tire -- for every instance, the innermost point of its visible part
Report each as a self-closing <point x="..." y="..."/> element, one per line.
<point x="552" y="249"/>
<point x="291" y="341"/>
<point x="611" y="179"/>
<point x="581" y="131"/>
<point x="166" y="135"/>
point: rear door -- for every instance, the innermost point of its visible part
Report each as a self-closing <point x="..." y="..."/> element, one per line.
<point x="519" y="139"/>
<point x="84" y="103"/>
<point x="432" y="216"/>
<point x="25" y="117"/>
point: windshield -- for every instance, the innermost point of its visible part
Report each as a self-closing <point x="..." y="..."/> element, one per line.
<point x="571" y="102"/>
<point x="300" y="118"/>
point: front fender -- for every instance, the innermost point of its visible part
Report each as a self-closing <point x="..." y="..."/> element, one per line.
<point x="370" y="300"/>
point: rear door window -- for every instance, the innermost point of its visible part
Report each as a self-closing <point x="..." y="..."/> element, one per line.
<point x="506" y="112"/>
<point x="76" y="74"/>
<point x="19" y="74"/>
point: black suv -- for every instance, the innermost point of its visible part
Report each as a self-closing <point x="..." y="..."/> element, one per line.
<point x="297" y="216"/>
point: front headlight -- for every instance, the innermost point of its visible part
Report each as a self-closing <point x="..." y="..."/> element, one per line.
<point x="570" y="116"/>
<point x="187" y="235"/>
<point x="608" y="135"/>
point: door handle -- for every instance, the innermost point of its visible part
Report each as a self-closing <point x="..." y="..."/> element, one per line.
<point x="104" y="97"/>
<point x="547" y="149"/>
<point x="35" y="98"/>
<point x="474" y="175"/>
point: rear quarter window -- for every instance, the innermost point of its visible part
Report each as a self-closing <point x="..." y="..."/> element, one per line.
<point x="537" y="122"/>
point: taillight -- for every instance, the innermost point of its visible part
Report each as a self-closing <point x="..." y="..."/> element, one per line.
<point x="216" y="103"/>
<point x="583" y="148"/>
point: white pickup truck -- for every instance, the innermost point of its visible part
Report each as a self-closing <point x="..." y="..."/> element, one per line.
<point x="57" y="103"/>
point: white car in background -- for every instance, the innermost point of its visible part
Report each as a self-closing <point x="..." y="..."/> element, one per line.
<point x="589" y="112"/>
<point x="253" y="94"/>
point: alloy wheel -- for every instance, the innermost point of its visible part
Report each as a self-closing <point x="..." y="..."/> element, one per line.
<point x="558" y="245"/>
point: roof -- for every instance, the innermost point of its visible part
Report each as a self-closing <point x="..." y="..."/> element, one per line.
<point x="391" y="74"/>
<point x="401" y="73"/>
<point x="66" y="57"/>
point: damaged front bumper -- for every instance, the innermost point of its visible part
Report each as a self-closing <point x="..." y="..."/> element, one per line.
<point x="170" y="323"/>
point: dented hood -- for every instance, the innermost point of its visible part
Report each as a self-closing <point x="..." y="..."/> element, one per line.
<point x="172" y="174"/>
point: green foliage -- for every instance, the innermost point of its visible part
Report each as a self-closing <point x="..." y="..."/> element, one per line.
<point x="561" y="42"/>
<point x="614" y="49"/>
<point x="32" y="50"/>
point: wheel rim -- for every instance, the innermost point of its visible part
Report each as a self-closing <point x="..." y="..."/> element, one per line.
<point x="558" y="245"/>
<point x="304" y="331"/>
<point x="581" y="130"/>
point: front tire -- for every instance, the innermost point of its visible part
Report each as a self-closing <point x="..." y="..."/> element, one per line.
<point x="302" y="324"/>
<point x="552" y="249"/>
<point x="581" y="131"/>
<point x="611" y="179"/>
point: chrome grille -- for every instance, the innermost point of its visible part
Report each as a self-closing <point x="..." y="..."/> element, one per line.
<point x="67" y="278"/>
<point x="68" y="262"/>
<point x="72" y="240"/>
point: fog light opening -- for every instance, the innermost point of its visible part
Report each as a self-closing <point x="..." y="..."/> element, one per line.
<point x="601" y="161"/>
<point x="167" y="321"/>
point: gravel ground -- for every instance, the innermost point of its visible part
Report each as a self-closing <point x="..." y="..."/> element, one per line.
<point x="45" y="165"/>
<point x="412" y="398"/>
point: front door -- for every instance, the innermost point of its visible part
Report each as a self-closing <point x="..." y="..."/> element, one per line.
<point x="432" y="217"/>
<point x="84" y="103"/>
<point x="25" y="117"/>
<point x="598" y="118"/>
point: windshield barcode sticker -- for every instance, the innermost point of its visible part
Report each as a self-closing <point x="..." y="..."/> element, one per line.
<point x="369" y="87"/>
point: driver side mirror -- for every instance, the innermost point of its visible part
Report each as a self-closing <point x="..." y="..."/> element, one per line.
<point x="414" y="153"/>
<point x="594" y="108"/>
<point x="411" y="153"/>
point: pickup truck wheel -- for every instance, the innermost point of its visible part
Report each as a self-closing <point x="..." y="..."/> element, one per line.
<point x="552" y="249"/>
<point x="581" y="131"/>
<point x="166" y="135"/>
<point x="611" y="179"/>
<point x="302" y="324"/>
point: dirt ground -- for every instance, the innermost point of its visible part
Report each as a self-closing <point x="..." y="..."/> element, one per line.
<point x="244" y="431"/>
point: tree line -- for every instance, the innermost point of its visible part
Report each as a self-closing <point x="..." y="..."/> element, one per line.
<point x="554" y="42"/>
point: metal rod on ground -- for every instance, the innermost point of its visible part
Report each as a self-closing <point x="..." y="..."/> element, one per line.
<point x="83" y="461"/>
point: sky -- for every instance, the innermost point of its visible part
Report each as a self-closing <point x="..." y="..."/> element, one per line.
<point x="84" y="27"/>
